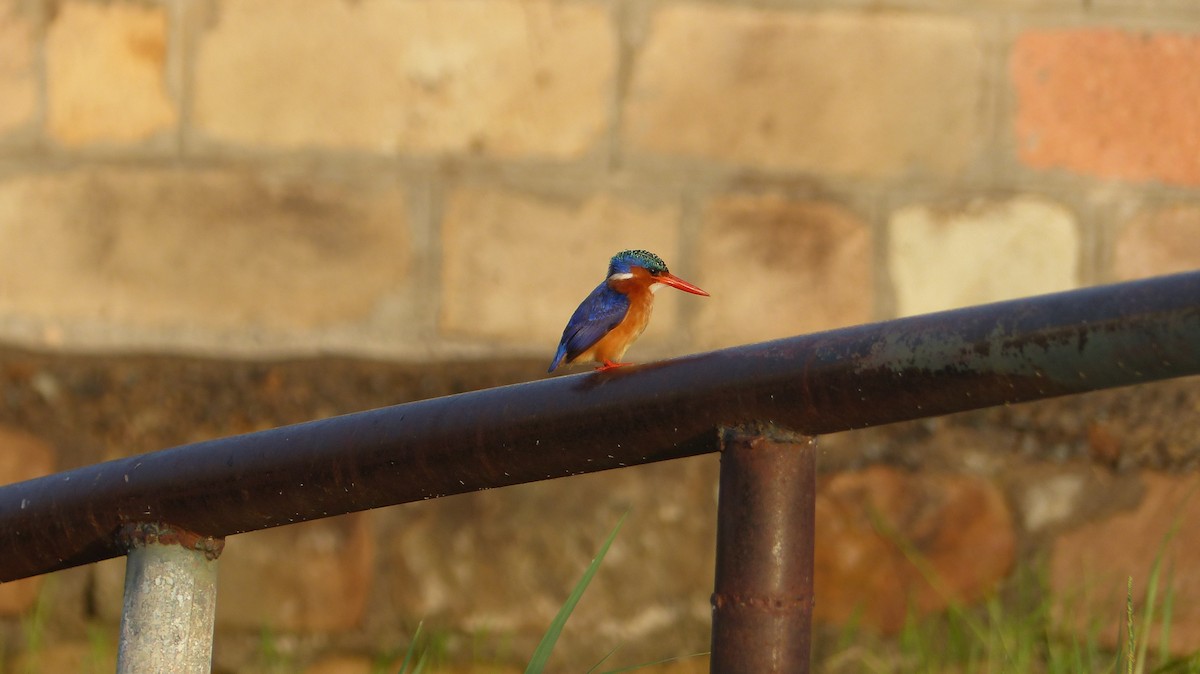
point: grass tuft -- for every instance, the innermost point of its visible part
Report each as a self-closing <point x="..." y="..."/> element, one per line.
<point x="541" y="654"/>
<point x="418" y="665"/>
<point x="1020" y="629"/>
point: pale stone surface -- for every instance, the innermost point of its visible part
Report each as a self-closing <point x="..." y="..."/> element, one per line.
<point x="516" y="265"/>
<point x="1050" y="501"/>
<point x="18" y="83"/>
<point x="502" y="562"/>
<point x="105" y="73"/>
<point x="981" y="251"/>
<point x="1108" y="102"/>
<point x="1090" y="566"/>
<point x="22" y="457"/>
<point x="958" y="528"/>
<point x="778" y="267"/>
<point x="163" y="250"/>
<point x="261" y="583"/>
<point x="865" y="94"/>
<point x="1164" y="241"/>
<point x="494" y="77"/>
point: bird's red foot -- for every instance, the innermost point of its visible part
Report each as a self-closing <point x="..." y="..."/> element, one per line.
<point x="609" y="365"/>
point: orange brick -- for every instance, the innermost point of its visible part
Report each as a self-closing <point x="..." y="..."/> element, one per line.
<point x="1090" y="565"/>
<point x="861" y="575"/>
<point x="1109" y="103"/>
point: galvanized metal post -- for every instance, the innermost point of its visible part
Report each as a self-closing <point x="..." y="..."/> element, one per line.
<point x="170" y="601"/>
<point x="762" y="604"/>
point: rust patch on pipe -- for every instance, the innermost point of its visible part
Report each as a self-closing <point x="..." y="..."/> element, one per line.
<point x="141" y="534"/>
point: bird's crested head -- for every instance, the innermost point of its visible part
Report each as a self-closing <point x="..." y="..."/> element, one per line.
<point x="624" y="261"/>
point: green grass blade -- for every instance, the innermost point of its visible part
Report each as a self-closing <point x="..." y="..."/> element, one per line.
<point x="604" y="659"/>
<point x="412" y="648"/>
<point x="541" y="654"/>
<point x="1149" y="600"/>
<point x="1131" y="638"/>
<point x="1168" y="614"/>
<point x="664" y="661"/>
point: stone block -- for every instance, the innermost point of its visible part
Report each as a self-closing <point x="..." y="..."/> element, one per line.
<point x="310" y="577"/>
<point x="1050" y="501"/>
<point x="1162" y="241"/>
<point x="106" y="80"/>
<point x="1109" y="103"/>
<point x="491" y="77"/>
<point x="18" y="70"/>
<point x="502" y="562"/>
<point x="171" y="250"/>
<point x="778" y="267"/>
<point x="845" y="93"/>
<point x="943" y="257"/>
<point x="1090" y="566"/>
<point x="889" y="543"/>
<point x="516" y="265"/>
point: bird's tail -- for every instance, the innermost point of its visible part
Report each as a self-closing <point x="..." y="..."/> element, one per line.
<point x="558" y="357"/>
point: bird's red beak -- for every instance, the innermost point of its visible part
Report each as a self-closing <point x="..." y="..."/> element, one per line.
<point x="676" y="282"/>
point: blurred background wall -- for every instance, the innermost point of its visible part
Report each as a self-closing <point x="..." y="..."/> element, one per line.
<point x="223" y="215"/>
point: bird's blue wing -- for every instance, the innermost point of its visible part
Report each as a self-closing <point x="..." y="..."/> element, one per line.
<point x="602" y="311"/>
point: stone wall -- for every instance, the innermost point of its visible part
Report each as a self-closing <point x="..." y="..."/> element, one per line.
<point x="407" y="198"/>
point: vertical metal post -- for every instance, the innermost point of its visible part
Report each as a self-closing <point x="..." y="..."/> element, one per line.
<point x="763" y="600"/>
<point x="170" y="601"/>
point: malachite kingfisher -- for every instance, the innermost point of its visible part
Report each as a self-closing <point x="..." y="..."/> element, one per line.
<point x="617" y="311"/>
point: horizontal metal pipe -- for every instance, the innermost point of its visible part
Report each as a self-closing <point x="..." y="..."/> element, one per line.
<point x="866" y="375"/>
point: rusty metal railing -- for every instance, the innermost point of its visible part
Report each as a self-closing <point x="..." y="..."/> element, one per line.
<point x="867" y="375"/>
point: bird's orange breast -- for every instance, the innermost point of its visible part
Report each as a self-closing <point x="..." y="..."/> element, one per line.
<point x="613" y="345"/>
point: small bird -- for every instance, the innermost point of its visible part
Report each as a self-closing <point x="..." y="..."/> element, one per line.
<point x="617" y="311"/>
